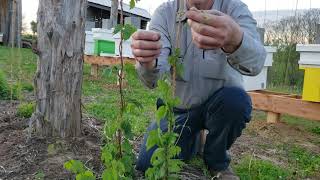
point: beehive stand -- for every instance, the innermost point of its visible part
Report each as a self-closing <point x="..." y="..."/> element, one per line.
<point x="97" y="61"/>
<point x="276" y="104"/>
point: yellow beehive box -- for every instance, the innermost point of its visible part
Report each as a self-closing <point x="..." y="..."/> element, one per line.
<point x="310" y="62"/>
<point x="311" y="85"/>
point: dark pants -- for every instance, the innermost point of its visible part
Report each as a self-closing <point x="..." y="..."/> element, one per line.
<point x="224" y="115"/>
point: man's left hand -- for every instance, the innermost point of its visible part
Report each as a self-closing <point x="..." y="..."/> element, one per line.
<point x="212" y="29"/>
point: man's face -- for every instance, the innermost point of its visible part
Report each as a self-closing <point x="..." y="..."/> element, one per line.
<point x="200" y="4"/>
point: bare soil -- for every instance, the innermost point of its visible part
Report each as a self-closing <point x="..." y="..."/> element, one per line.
<point x="23" y="158"/>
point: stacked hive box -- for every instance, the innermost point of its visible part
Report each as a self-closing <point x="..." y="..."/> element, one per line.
<point x="259" y="82"/>
<point x="310" y="63"/>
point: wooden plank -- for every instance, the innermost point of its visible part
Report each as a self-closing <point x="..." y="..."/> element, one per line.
<point x="282" y="104"/>
<point x="106" y="61"/>
<point x="273" y="118"/>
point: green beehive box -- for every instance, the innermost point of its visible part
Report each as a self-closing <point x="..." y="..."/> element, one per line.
<point x="104" y="46"/>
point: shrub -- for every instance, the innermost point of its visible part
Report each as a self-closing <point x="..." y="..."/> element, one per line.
<point x="7" y="91"/>
<point x="4" y="87"/>
<point x="25" y="110"/>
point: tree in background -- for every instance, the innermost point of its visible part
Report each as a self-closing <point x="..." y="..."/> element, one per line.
<point x="33" y="26"/>
<point x="285" y="34"/>
<point x="11" y="22"/>
<point x="113" y="21"/>
<point x="58" y="80"/>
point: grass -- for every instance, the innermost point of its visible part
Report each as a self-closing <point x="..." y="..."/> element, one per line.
<point x="304" y="163"/>
<point x="251" y="168"/>
<point x="25" y="110"/>
<point x="301" y="164"/>
<point x="104" y="97"/>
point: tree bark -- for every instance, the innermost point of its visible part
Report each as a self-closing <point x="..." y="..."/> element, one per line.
<point x="113" y="21"/>
<point x="13" y="26"/>
<point x="3" y="14"/>
<point x="58" y="81"/>
<point x="11" y="22"/>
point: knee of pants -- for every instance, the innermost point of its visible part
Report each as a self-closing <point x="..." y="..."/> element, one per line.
<point x="235" y="102"/>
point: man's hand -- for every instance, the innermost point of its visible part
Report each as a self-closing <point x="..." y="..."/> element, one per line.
<point x="146" y="47"/>
<point x="212" y="29"/>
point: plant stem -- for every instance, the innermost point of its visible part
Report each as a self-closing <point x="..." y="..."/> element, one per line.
<point x="122" y="101"/>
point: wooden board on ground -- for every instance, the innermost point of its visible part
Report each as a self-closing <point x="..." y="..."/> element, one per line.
<point x="279" y="103"/>
<point x="97" y="61"/>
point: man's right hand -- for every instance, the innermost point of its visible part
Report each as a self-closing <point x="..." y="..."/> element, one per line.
<point x="146" y="47"/>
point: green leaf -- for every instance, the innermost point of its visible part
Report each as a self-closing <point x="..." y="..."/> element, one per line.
<point x="175" y="165"/>
<point x="106" y="156"/>
<point x="74" y="166"/>
<point x="153" y="139"/>
<point x="127" y="129"/>
<point x="117" y="29"/>
<point x="87" y="175"/>
<point x="161" y="112"/>
<point x="164" y="88"/>
<point x="111" y="128"/>
<point x="127" y="148"/>
<point x="108" y="175"/>
<point x="174" y="151"/>
<point x="132" y="4"/>
<point x="179" y="69"/>
<point x="128" y="30"/>
<point x="158" y="157"/>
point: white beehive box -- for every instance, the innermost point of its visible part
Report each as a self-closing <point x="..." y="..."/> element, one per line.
<point x="259" y="82"/>
<point x="89" y="44"/>
<point x="309" y="55"/>
<point x="102" y="34"/>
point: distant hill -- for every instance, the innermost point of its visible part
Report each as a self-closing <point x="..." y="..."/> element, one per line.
<point x="274" y="15"/>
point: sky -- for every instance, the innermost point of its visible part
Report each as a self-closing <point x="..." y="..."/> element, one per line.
<point x="29" y="7"/>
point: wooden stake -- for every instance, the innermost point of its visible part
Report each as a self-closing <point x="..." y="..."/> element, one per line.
<point x="273" y="118"/>
<point x="94" y="70"/>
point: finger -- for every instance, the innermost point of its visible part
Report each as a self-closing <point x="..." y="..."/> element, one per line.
<point x="146" y="59"/>
<point x="146" y="35"/>
<point x="206" y="41"/>
<point x="211" y="11"/>
<point x="214" y="12"/>
<point x="147" y="45"/>
<point x="205" y="18"/>
<point x="202" y="29"/>
<point x="145" y="53"/>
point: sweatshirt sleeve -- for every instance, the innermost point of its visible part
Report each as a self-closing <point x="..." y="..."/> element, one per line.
<point x="249" y="58"/>
<point x="159" y="24"/>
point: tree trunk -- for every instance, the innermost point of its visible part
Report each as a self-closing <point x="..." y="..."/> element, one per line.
<point x="13" y="26"/>
<point x="11" y="22"/>
<point x="3" y="14"/>
<point x="58" y="81"/>
<point x="18" y="23"/>
<point x="113" y="21"/>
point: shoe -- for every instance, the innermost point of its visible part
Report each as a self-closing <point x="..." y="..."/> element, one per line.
<point x="227" y="174"/>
